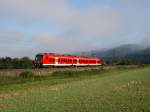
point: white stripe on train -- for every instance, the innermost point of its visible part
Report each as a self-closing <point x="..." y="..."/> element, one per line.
<point x="71" y="64"/>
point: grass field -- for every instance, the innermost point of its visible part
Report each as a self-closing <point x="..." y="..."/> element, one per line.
<point x="112" y="90"/>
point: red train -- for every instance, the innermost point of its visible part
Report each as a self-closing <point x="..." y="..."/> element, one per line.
<point x="50" y="59"/>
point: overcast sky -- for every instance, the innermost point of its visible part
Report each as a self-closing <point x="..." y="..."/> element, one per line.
<point x="28" y="27"/>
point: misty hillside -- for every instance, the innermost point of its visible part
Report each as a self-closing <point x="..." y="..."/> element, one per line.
<point x="120" y="51"/>
<point x="140" y="56"/>
<point x="144" y="52"/>
<point x="132" y="52"/>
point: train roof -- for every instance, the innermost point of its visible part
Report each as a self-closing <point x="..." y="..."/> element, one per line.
<point x="65" y="55"/>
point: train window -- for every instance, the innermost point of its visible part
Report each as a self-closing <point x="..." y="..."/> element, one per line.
<point x="46" y="57"/>
<point x="51" y="60"/>
<point x="74" y="61"/>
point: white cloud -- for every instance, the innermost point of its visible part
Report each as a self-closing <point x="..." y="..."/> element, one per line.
<point x="10" y="37"/>
<point x="94" y="27"/>
<point x="146" y="40"/>
<point x="30" y="10"/>
<point x="56" y="43"/>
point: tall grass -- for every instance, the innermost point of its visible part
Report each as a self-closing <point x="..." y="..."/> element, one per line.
<point x="114" y="90"/>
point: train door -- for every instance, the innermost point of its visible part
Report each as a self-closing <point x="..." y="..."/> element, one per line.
<point x="56" y="60"/>
<point x="77" y="61"/>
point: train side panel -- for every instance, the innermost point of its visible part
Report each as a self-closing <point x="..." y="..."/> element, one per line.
<point x="62" y="60"/>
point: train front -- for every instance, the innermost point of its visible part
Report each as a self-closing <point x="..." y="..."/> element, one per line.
<point x="38" y="60"/>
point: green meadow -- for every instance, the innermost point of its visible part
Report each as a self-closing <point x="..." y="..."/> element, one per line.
<point x="104" y="90"/>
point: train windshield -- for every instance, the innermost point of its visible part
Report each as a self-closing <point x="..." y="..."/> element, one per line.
<point x="39" y="57"/>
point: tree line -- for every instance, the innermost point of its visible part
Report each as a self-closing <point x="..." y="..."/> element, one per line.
<point x="16" y="63"/>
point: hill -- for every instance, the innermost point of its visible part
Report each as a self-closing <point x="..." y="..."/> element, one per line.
<point x="130" y="52"/>
<point x="120" y="51"/>
<point x="142" y="56"/>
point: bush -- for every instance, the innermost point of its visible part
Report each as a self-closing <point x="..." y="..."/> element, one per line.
<point x="26" y="74"/>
